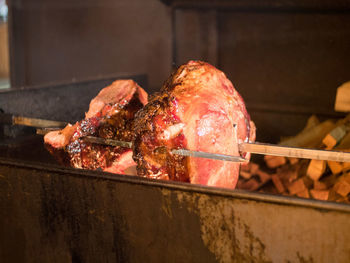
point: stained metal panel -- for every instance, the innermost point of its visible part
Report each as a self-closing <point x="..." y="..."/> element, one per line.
<point x="53" y="214"/>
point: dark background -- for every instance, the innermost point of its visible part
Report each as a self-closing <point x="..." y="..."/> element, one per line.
<point x="286" y="58"/>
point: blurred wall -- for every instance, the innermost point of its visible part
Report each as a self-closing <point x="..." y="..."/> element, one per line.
<point x="60" y="41"/>
<point x="4" y="52"/>
<point x="286" y="58"/>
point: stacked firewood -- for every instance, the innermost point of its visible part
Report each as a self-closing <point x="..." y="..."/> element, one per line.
<point x="322" y="180"/>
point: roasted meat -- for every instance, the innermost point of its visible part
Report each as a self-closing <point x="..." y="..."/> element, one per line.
<point x="197" y="109"/>
<point x="110" y="116"/>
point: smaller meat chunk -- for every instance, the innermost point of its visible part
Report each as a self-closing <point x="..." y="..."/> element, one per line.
<point x="110" y="116"/>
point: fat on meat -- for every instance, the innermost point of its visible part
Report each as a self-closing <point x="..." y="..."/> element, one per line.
<point x="110" y="116"/>
<point x="198" y="109"/>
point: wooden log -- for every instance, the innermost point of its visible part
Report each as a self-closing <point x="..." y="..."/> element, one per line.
<point x="342" y="187"/>
<point x="330" y="180"/>
<point x="308" y="182"/>
<point x="250" y="185"/>
<point x="245" y="175"/>
<point x="278" y="183"/>
<point x="315" y="169"/>
<point x="304" y="194"/>
<point x="320" y="185"/>
<point x="334" y="196"/>
<point x="342" y="99"/>
<point x="293" y="160"/>
<point x="319" y="194"/>
<point x="336" y="167"/>
<point x="334" y="137"/>
<point x="264" y="177"/>
<point x="287" y="175"/>
<point x="343" y="199"/>
<point x="245" y="167"/>
<point x="274" y="161"/>
<point x="346" y="177"/>
<point x="312" y="122"/>
<point x="311" y="138"/>
<point x="346" y="166"/>
<point x="296" y="187"/>
<point x="240" y="182"/>
<point x="344" y="144"/>
<point x="345" y="120"/>
<point x="254" y="167"/>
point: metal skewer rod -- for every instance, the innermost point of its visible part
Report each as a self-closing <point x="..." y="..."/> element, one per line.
<point x="206" y="155"/>
<point x="276" y="150"/>
<point x="182" y="152"/>
<point x="31" y="122"/>
<point x="254" y="148"/>
<point x="19" y="120"/>
<point x="109" y="142"/>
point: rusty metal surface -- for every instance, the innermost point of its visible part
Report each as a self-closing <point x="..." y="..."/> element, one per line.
<point x="53" y="214"/>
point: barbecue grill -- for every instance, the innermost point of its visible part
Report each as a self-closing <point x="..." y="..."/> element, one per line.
<point x="49" y="211"/>
<point x="53" y="213"/>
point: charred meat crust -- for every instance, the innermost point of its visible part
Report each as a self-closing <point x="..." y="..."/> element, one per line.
<point x="152" y="153"/>
<point x="119" y="125"/>
<point x="116" y="124"/>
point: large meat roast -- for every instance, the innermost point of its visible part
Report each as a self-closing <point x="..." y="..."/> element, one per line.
<point x="197" y="109"/>
<point x="110" y="116"/>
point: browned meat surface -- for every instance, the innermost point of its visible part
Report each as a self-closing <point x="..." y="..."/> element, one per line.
<point x="198" y="109"/>
<point x="110" y="116"/>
